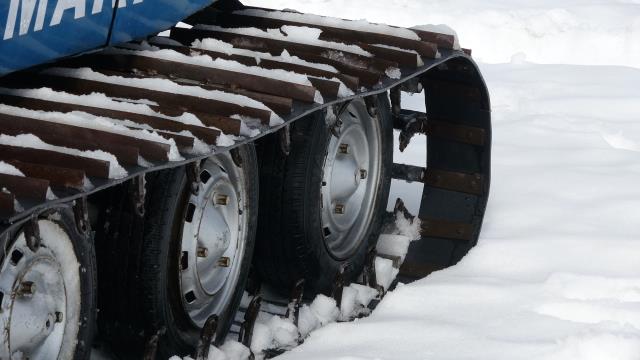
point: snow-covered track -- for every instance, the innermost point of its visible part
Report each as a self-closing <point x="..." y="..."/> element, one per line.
<point x="87" y="123"/>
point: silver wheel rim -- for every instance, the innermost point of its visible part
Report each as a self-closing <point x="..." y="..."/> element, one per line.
<point x="351" y="177"/>
<point x="213" y="240"/>
<point x="41" y="297"/>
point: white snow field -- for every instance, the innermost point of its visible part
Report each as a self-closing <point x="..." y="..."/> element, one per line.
<point x="556" y="274"/>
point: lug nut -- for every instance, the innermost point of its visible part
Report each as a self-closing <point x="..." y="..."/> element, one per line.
<point x="224" y="262"/>
<point x="59" y="317"/>
<point x="202" y="252"/>
<point x="222" y="200"/>
<point x="344" y="148"/>
<point x="26" y="288"/>
<point x="363" y="174"/>
<point x="339" y="209"/>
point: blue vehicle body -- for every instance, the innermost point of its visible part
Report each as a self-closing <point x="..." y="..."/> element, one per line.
<point x="33" y="32"/>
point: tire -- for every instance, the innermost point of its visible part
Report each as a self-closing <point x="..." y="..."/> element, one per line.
<point x="162" y="298"/>
<point x="65" y="252"/>
<point x="291" y="243"/>
<point x="156" y="302"/>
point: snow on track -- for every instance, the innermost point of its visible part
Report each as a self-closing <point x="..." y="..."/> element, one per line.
<point x="206" y="61"/>
<point x="295" y="34"/>
<point x="356" y="25"/>
<point x="8" y="169"/>
<point x="221" y="46"/>
<point x="88" y="121"/>
<point x="151" y="51"/>
<point x="165" y="86"/>
<point x="116" y="171"/>
<point x="101" y="101"/>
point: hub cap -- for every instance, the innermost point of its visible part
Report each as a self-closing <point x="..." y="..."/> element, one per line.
<point x="212" y="243"/>
<point x="40" y="297"/>
<point x="351" y="175"/>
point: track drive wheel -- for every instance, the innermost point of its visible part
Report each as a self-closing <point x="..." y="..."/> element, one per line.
<point x="321" y="205"/>
<point x="197" y="249"/>
<point x="47" y="291"/>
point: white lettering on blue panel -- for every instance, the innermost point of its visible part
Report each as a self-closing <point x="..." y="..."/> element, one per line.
<point x="22" y="12"/>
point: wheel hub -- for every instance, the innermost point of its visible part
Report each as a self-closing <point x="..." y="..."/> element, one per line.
<point x="35" y="297"/>
<point x="211" y="244"/>
<point x="351" y="175"/>
<point x="38" y="296"/>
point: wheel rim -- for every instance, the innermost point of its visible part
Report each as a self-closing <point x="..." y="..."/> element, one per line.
<point x="40" y="296"/>
<point x="351" y="177"/>
<point x="212" y="242"/>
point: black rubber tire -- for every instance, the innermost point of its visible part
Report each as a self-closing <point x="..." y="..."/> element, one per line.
<point x="153" y="304"/>
<point x="85" y="255"/>
<point x="290" y="242"/>
<point x="161" y="296"/>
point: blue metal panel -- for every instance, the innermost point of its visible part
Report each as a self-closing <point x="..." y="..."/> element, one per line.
<point x="37" y="31"/>
<point x="151" y="16"/>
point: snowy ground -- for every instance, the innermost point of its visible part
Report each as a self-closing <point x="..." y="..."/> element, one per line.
<point x="556" y="274"/>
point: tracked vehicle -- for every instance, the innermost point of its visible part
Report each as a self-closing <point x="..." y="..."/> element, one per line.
<point x="151" y="179"/>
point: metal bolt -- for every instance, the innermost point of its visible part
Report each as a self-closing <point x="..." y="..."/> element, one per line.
<point x="59" y="317"/>
<point x="202" y="252"/>
<point x="222" y="199"/>
<point x="339" y="209"/>
<point x="344" y="148"/>
<point x="363" y="174"/>
<point x="26" y="288"/>
<point x="224" y="262"/>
